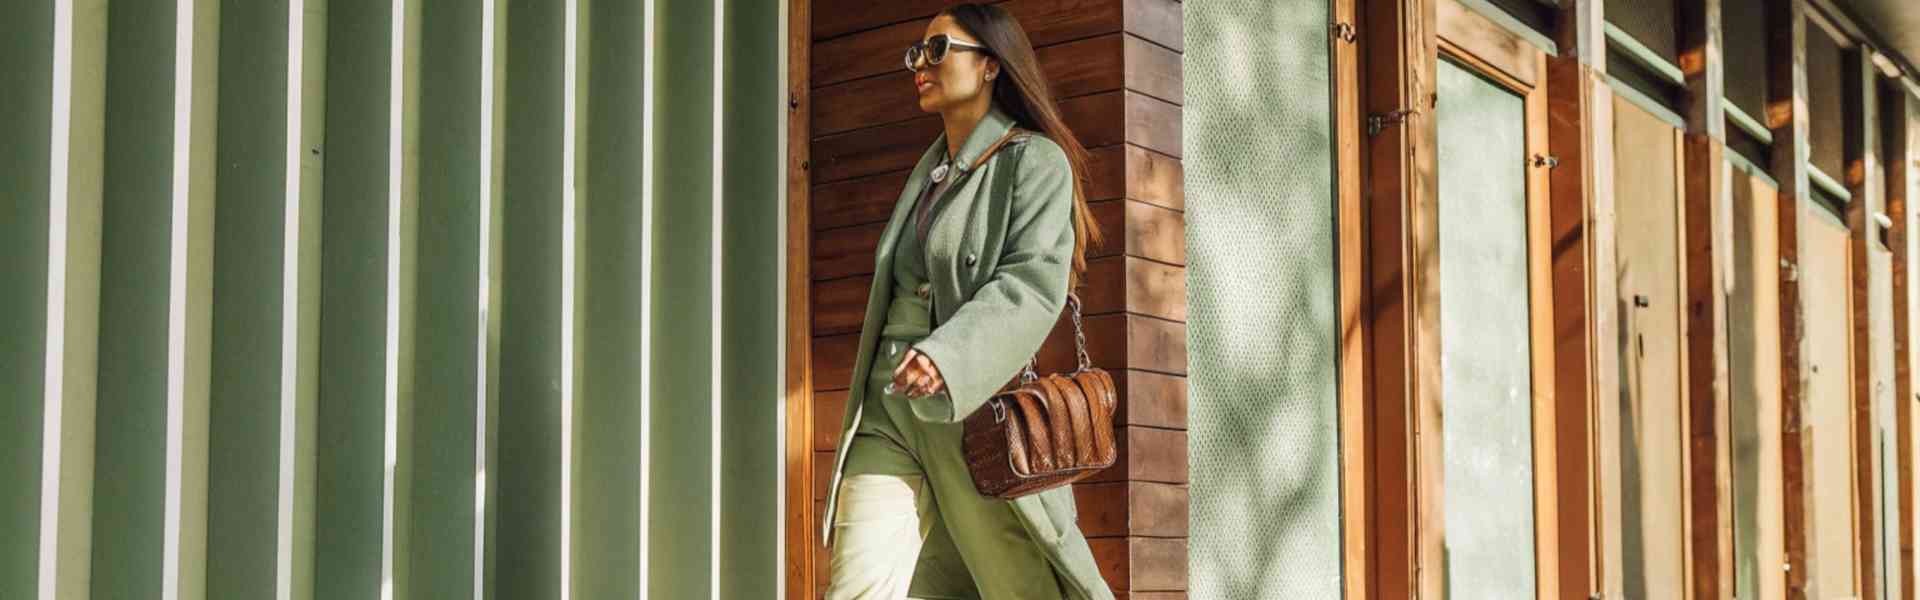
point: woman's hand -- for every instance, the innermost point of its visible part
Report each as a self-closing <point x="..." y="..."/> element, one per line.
<point x="917" y="376"/>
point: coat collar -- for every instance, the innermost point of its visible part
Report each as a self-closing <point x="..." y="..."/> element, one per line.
<point x="991" y="126"/>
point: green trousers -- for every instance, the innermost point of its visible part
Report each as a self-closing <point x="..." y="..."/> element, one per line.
<point x="909" y="523"/>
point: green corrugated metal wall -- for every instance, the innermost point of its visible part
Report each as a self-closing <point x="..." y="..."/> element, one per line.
<point x="391" y="299"/>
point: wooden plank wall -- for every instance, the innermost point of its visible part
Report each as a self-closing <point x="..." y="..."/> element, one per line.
<point x="1115" y="67"/>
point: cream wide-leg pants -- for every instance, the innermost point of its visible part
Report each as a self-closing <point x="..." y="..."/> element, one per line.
<point x="909" y="523"/>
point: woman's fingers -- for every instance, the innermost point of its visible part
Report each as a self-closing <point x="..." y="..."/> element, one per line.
<point x="916" y="376"/>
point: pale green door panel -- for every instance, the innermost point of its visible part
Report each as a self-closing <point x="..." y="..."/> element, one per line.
<point x="1486" y="381"/>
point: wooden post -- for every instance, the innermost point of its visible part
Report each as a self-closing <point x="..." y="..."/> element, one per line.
<point x="1360" y="524"/>
<point x="1707" y="244"/>
<point x="801" y="521"/>
<point x="1787" y="118"/>
<point x="1580" y="135"/>
<point x="1896" y="149"/>
<point x="1403" y="274"/>
<point x="1860" y="119"/>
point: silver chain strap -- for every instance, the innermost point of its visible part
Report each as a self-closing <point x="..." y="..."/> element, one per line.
<point x="1027" y="374"/>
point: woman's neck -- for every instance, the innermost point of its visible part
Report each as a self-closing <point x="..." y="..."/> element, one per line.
<point x="960" y="121"/>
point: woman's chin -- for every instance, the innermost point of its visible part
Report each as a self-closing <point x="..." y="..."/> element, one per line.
<point x="929" y="104"/>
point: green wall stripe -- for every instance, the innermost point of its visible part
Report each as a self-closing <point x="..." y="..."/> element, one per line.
<point x="26" y="70"/>
<point x="150" y="479"/>
<point x="458" y="248"/>
<point x="683" y="385"/>
<point x="531" y="515"/>
<point x="609" y="409"/>
<point x="366" y="300"/>
<point x="50" y="188"/>
<point x="753" y="270"/>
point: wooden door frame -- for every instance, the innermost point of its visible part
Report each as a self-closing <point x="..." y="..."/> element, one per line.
<point x="798" y="543"/>
<point x="1388" y="248"/>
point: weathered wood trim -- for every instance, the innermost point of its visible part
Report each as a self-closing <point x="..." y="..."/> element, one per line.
<point x="1580" y="127"/>
<point x="801" y="516"/>
<point x="1473" y="34"/>
<point x="1897" y="150"/>
<point x="1357" y="523"/>
<point x="1547" y="495"/>
<point x="1403" y="272"/>
<point x="1787" y="118"/>
<point x="1860" y="124"/>
<point x="1706" y="219"/>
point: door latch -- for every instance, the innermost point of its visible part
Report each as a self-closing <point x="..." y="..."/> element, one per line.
<point x="1344" y="32"/>
<point x="1546" y="160"/>
<point x="1378" y="122"/>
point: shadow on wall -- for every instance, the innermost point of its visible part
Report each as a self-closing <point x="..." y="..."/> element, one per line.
<point x="1261" y="295"/>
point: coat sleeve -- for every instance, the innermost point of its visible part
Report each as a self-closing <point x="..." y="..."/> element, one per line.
<point x="993" y="334"/>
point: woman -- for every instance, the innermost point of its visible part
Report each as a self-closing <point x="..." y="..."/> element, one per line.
<point x="969" y="277"/>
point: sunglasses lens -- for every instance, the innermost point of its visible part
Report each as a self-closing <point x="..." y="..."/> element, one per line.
<point x="936" y="49"/>
<point x="913" y="56"/>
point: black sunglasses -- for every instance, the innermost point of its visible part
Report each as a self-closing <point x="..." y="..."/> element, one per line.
<point x="935" y="50"/>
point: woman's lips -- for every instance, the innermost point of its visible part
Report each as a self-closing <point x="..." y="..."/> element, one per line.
<point x="923" y="86"/>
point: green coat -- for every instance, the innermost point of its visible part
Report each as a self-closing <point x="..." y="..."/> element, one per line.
<point x="999" y="270"/>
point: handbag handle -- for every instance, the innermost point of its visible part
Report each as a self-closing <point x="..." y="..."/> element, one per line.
<point x="1079" y="344"/>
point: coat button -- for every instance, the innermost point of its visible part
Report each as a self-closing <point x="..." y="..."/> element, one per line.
<point x="971" y="259"/>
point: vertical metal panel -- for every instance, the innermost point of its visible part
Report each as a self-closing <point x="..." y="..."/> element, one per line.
<point x="458" y="250"/>
<point x="50" y="187"/>
<point x="1647" y="190"/>
<point x="535" y="384"/>
<point x="682" y="519"/>
<point x="366" y="300"/>
<point x="150" y="485"/>
<point x="610" y="433"/>
<point x="752" y="269"/>
<point x="1830" y="396"/>
<point x="1754" y="355"/>
<point x="265" y="330"/>
<point x="1263" y="406"/>
<point x="1485" y="338"/>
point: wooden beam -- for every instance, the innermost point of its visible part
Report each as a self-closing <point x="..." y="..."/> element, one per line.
<point x="803" y="561"/>
<point x="1706" y="218"/>
<point x="1861" y="138"/>
<point x="1787" y="118"/>
<point x="1403" y="275"/>
<point x="1580" y="135"/>
<point x="1896" y="148"/>
<point x="1358" y="524"/>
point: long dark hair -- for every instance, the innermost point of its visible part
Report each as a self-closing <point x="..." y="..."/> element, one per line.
<point x="1032" y="106"/>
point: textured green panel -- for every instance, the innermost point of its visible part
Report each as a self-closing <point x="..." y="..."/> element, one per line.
<point x="529" y="515"/>
<point x="752" y="272"/>
<point x="352" y="467"/>
<point x="26" y="72"/>
<point x="452" y="394"/>
<point x="1264" y="443"/>
<point x="681" y="478"/>
<point x="1486" y="383"/>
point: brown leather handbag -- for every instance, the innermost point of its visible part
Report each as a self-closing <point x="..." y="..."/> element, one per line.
<point x="1040" y="433"/>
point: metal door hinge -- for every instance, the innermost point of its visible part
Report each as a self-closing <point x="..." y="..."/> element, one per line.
<point x="1344" y="32"/>
<point x="1379" y="122"/>
<point x="1546" y="160"/>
